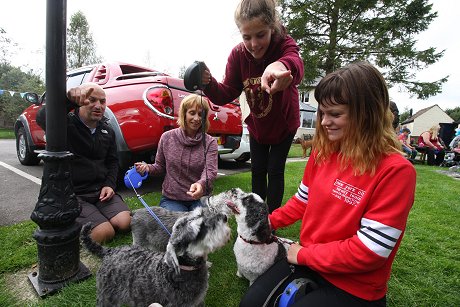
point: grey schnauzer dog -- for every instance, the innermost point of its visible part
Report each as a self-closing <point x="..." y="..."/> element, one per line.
<point x="137" y="276"/>
<point x="148" y="233"/>
<point x="256" y="248"/>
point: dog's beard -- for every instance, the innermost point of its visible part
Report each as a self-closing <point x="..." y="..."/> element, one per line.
<point x="211" y="242"/>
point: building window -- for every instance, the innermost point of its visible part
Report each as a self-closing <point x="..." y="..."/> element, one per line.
<point x="307" y="116"/>
<point x="307" y="119"/>
<point x="304" y="97"/>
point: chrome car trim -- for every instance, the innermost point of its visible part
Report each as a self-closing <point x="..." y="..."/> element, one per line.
<point x="149" y="105"/>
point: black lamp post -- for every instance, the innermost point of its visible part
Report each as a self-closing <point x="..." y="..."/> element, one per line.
<point x="57" y="206"/>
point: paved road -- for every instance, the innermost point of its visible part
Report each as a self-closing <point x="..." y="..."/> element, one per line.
<point x="20" y="185"/>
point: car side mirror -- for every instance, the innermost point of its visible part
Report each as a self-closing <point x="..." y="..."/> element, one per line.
<point x="32" y="98"/>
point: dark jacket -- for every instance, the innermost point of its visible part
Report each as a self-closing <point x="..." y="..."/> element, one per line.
<point x="95" y="162"/>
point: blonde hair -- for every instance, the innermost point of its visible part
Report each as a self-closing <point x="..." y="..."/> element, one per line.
<point x="263" y="9"/>
<point x="434" y="131"/>
<point x="369" y="134"/>
<point x="192" y="101"/>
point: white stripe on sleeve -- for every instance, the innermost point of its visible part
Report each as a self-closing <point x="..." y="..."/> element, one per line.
<point x="302" y="193"/>
<point x="378" y="237"/>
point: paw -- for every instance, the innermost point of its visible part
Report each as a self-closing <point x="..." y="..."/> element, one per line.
<point x="238" y="274"/>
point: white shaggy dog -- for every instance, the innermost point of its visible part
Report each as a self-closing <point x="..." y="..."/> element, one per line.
<point x="256" y="248"/>
<point x="137" y="276"/>
<point x="148" y="233"/>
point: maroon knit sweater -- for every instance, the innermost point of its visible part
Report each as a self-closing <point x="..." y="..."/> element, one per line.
<point x="272" y="117"/>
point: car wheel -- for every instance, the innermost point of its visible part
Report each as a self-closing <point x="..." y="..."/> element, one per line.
<point x="243" y="158"/>
<point x="25" y="155"/>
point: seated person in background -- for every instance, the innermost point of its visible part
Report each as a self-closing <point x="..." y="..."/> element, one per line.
<point x="455" y="143"/>
<point x="95" y="162"/>
<point x="406" y="147"/>
<point x="190" y="167"/>
<point x="432" y="144"/>
<point x="395" y="111"/>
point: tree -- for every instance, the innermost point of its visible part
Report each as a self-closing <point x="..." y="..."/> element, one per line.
<point x="332" y="33"/>
<point x="81" y="48"/>
<point x="454" y="113"/>
<point x="182" y="70"/>
<point x="3" y="42"/>
<point x="405" y="114"/>
<point x="14" y="79"/>
<point x="5" y="45"/>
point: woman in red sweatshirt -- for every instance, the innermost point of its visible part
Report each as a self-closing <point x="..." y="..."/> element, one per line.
<point x="267" y="67"/>
<point x="354" y="198"/>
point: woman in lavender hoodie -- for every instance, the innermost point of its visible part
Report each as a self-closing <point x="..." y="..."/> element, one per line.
<point x="189" y="167"/>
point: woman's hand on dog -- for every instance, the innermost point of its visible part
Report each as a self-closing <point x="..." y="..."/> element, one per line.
<point x="196" y="191"/>
<point x="293" y="250"/>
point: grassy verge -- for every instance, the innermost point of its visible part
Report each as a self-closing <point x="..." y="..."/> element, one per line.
<point x="426" y="271"/>
<point x="6" y="133"/>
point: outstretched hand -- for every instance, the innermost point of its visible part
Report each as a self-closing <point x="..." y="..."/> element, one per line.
<point x="80" y="95"/>
<point x="276" y="78"/>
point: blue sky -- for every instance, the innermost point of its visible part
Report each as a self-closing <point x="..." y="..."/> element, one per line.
<point x="167" y="35"/>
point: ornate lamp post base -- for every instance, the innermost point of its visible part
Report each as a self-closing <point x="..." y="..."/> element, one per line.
<point x="44" y="288"/>
<point x="58" y="237"/>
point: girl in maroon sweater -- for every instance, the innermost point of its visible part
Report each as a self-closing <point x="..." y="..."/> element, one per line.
<point x="267" y="67"/>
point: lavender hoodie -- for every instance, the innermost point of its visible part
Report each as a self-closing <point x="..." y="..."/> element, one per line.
<point x="181" y="158"/>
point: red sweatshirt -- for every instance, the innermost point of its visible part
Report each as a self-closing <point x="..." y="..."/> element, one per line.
<point x="272" y="117"/>
<point x="351" y="225"/>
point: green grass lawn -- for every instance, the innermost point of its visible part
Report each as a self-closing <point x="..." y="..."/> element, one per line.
<point x="296" y="151"/>
<point x="6" y="133"/>
<point x="426" y="271"/>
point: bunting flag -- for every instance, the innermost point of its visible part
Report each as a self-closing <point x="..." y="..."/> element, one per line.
<point x="12" y="93"/>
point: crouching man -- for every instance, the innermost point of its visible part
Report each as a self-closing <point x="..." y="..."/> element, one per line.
<point x="95" y="164"/>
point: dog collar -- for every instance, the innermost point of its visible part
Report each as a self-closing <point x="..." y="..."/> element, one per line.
<point x="189" y="267"/>
<point x="271" y="240"/>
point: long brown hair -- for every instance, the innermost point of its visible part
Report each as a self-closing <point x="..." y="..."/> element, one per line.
<point x="263" y="9"/>
<point x="369" y="134"/>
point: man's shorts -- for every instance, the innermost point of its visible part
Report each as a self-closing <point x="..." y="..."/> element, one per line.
<point x="97" y="212"/>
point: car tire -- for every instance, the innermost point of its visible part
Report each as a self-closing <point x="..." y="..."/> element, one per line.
<point x="25" y="155"/>
<point x="243" y="158"/>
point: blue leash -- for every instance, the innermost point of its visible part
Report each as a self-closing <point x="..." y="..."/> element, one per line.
<point x="138" y="179"/>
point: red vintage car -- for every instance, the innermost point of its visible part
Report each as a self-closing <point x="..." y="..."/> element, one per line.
<point x="142" y="103"/>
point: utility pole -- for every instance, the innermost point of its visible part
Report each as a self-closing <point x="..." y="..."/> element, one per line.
<point x="57" y="207"/>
